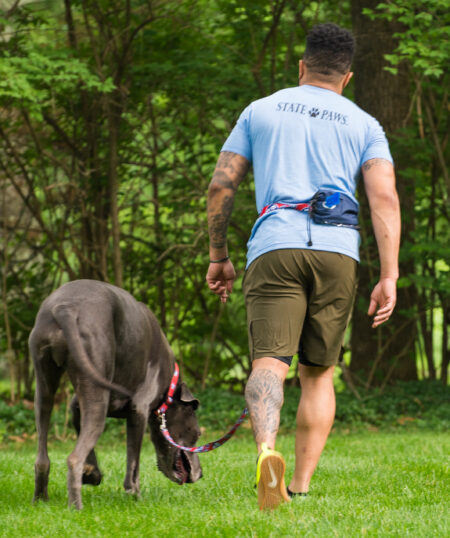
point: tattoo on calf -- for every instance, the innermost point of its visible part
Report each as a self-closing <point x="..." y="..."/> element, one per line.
<point x="264" y="396"/>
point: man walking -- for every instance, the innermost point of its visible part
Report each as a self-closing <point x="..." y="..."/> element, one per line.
<point x="307" y="145"/>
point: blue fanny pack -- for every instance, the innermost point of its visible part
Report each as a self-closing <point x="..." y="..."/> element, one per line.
<point x="334" y="208"/>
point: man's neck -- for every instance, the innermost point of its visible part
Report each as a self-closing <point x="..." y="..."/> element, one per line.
<point x="321" y="84"/>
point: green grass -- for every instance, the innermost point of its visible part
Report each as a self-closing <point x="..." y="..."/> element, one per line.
<point x="367" y="484"/>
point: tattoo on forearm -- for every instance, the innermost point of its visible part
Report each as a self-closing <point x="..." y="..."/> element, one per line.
<point x="372" y="162"/>
<point x="230" y="171"/>
<point x="218" y="223"/>
<point x="264" y="396"/>
<point x="221" y="179"/>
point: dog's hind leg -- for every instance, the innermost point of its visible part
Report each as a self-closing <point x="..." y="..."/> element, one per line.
<point x="91" y="473"/>
<point x="93" y="402"/>
<point x="136" y="424"/>
<point x="47" y="375"/>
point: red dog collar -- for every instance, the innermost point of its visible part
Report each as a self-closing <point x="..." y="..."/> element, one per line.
<point x="173" y="385"/>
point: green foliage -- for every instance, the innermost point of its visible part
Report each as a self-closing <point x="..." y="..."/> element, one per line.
<point x="37" y="77"/>
<point x="404" y="405"/>
<point x="171" y="77"/>
<point x="411" y="405"/>
<point x="424" y="36"/>
<point x="417" y="404"/>
<point x="15" y="419"/>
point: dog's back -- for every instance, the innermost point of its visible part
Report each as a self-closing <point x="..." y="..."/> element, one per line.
<point x="91" y="326"/>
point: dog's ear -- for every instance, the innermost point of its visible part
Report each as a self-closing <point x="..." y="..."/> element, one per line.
<point x="186" y="396"/>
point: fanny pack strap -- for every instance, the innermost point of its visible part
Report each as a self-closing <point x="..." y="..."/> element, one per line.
<point x="332" y="208"/>
<point x="303" y="206"/>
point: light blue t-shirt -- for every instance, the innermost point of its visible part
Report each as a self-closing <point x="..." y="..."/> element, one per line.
<point x="301" y="140"/>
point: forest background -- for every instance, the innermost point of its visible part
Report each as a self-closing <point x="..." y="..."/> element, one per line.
<point x="112" y="114"/>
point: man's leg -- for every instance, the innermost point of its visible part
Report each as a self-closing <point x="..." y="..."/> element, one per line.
<point x="264" y="396"/>
<point x="315" y="417"/>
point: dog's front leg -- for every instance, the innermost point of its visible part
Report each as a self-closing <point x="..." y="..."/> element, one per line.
<point x="136" y="423"/>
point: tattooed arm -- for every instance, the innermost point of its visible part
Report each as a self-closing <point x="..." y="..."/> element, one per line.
<point x="230" y="171"/>
<point x="379" y="183"/>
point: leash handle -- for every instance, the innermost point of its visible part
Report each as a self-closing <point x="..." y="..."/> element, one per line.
<point x="208" y="446"/>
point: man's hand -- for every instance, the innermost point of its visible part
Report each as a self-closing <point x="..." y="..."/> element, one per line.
<point x="220" y="278"/>
<point x="382" y="300"/>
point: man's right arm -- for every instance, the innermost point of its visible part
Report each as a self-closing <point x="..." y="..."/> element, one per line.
<point x="379" y="183"/>
<point x="230" y="170"/>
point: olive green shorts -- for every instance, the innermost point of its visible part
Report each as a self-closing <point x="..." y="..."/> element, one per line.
<point x="299" y="301"/>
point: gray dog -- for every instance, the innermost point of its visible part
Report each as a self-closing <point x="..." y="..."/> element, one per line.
<point x="121" y="365"/>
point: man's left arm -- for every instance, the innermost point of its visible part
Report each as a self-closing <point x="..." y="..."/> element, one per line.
<point x="230" y="170"/>
<point x="379" y="183"/>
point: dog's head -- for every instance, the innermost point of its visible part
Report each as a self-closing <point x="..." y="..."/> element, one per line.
<point x="178" y="465"/>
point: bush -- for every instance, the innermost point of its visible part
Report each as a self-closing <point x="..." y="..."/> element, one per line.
<point x="15" y="419"/>
<point x="421" y="404"/>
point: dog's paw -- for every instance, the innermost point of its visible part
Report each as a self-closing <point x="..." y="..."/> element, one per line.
<point x="91" y="475"/>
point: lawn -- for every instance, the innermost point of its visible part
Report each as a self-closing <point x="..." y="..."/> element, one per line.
<point x="367" y="484"/>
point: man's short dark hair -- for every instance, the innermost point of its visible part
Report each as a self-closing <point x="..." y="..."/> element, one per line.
<point x="329" y="50"/>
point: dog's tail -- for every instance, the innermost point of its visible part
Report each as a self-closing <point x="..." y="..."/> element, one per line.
<point x="66" y="319"/>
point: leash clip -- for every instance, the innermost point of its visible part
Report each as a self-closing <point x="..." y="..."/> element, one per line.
<point x="162" y="418"/>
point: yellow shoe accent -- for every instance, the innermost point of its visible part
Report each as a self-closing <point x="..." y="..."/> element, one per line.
<point x="270" y="470"/>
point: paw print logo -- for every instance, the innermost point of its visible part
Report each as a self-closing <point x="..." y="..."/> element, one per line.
<point x="313" y="112"/>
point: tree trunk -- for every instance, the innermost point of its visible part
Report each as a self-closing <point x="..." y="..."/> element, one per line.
<point x="113" y="181"/>
<point x="9" y="343"/>
<point x="387" y="353"/>
<point x="445" y="359"/>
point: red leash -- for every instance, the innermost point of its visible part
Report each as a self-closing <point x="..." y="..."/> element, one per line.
<point x="208" y="446"/>
<point x="161" y="412"/>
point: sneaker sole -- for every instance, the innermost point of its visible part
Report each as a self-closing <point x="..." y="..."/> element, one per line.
<point x="271" y="487"/>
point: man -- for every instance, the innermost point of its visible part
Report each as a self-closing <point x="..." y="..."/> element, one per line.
<point x="301" y="275"/>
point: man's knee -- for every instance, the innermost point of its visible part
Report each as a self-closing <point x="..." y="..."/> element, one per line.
<point x="315" y="372"/>
<point x="273" y="364"/>
<point x="264" y="385"/>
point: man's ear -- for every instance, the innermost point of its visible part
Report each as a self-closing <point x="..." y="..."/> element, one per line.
<point x="301" y="70"/>
<point x="347" y="79"/>
<point x="186" y="396"/>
